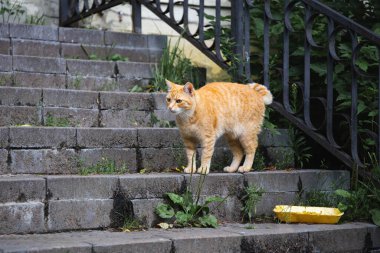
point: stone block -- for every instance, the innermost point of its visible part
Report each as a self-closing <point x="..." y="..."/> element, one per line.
<point x="205" y="239"/>
<point x="159" y="101"/>
<point x="121" y="157"/>
<point x="346" y="238"/>
<point x="3" y="161"/>
<point x="132" y="242"/>
<point x="157" y="41"/>
<point x="72" y="117"/>
<point x="19" y="115"/>
<point x="275" y="242"/>
<point x="91" y="68"/>
<point x="26" y="79"/>
<point x="126" y="84"/>
<point x="16" y="218"/>
<point x="124" y="118"/>
<point x="281" y="157"/>
<point x="133" y="69"/>
<point x="5" y="63"/>
<point x="325" y="180"/>
<point x="144" y="211"/>
<point x="39" y="65"/>
<point x="44" y="243"/>
<point x="155" y="56"/>
<point x="221" y="184"/>
<point x="22" y="189"/>
<point x="162" y="159"/>
<point x="228" y="211"/>
<point x="79" y="214"/>
<point x="42" y="137"/>
<point x="35" y="48"/>
<point x="125" y="39"/>
<point x="274" y="181"/>
<point x="93" y="83"/>
<point x="70" y="98"/>
<point x="107" y="138"/>
<point x="133" y="54"/>
<point x="123" y="101"/>
<point x="270" y="139"/>
<point x="375" y="236"/>
<point x="36" y="32"/>
<point x="4" y="30"/>
<point x="221" y="158"/>
<point x="81" y="36"/>
<point x="159" y="138"/>
<point x="269" y="200"/>
<point x="139" y="186"/>
<point x="81" y="187"/>
<point x="4" y="136"/>
<point x="20" y="96"/>
<point x="164" y="116"/>
<point x="5" y="45"/>
<point x="44" y="161"/>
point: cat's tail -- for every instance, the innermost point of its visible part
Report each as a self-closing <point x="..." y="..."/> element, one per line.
<point x="263" y="91"/>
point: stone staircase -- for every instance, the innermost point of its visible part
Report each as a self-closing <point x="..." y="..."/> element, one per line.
<point x="61" y="112"/>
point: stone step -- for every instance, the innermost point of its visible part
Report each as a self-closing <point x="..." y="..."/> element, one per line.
<point x="48" y="72"/>
<point x="57" y="150"/>
<point x="349" y="237"/>
<point x="73" y="108"/>
<point x="39" y="204"/>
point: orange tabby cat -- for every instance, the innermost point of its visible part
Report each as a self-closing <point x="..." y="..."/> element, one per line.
<point x="233" y="110"/>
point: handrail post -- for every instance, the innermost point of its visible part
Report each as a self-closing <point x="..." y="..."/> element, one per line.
<point x="237" y="33"/>
<point x="64" y="6"/>
<point x="136" y="16"/>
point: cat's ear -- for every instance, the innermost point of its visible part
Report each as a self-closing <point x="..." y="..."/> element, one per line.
<point x="189" y="88"/>
<point x="169" y="84"/>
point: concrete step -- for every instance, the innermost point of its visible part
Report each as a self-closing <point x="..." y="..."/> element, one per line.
<point x="39" y="204"/>
<point x="350" y="237"/>
<point x="57" y="150"/>
<point x="73" y="108"/>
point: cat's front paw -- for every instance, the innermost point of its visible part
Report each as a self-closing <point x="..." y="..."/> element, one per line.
<point x="203" y="170"/>
<point x="229" y="169"/>
<point x="244" y="169"/>
<point x="189" y="170"/>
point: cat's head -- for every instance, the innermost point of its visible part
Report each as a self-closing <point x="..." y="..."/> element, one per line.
<point x="180" y="98"/>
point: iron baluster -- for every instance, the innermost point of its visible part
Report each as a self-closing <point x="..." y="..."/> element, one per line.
<point x="285" y="59"/>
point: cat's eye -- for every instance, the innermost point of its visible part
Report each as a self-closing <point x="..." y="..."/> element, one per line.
<point x="178" y="101"/>
<point x="168" y="100"/>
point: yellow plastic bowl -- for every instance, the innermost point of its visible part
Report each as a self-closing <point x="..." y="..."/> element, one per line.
<point x="307" y="214"/>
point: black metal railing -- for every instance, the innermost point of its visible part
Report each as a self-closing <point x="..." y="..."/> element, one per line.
<point x="211" y="37"/>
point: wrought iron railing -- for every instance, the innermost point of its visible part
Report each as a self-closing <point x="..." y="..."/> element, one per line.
<point x="217" y="48"/>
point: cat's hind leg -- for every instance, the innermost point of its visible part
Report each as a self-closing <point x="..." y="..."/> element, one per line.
<point x="249" y="143"/>
<point x="237" y="152"/>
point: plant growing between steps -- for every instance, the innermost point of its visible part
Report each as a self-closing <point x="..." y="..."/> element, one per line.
<point x="104" y="166"/>
<point x="252" y="195"/>
<point x="186" y="210"/>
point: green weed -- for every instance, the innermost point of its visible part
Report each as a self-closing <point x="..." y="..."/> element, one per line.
<point x="252" y="195"/>
<point x="51" y="121"/>
<point x="104" y="166"/>
<point x="186" y="210"/>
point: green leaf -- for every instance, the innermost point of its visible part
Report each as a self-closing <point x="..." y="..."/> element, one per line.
<point x="342" y="207"/>
<point x="343" y="193"/>
<point x="183" y="218"/>
<point x="213" y="199"/>
<point x="177" y="199"/>
<point x="164" y="211"/>
<point x="375" y="213"/>
<point x="208" y="221"/>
